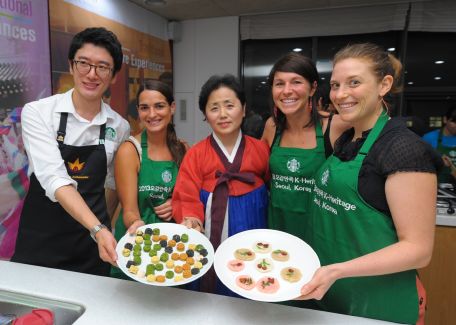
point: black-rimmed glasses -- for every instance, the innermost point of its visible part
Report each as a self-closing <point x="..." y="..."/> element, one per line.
<point x="84" y="68"/>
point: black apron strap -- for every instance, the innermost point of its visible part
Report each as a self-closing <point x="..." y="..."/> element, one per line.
<point x="101" y="138"/>
<point x="62" y="128"/>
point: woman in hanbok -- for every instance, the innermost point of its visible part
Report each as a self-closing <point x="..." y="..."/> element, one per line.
<point x="220" y="188"/>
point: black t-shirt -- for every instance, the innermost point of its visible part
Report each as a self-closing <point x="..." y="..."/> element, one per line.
<point x="397" y="149"/>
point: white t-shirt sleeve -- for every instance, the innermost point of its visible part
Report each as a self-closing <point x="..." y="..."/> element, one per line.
<point x="43" y="151"/>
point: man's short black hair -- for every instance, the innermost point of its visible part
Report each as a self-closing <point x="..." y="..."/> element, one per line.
<point x="101" y="37"/>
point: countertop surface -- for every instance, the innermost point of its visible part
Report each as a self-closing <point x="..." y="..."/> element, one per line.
<point x="448" y="220"/>
<point x="113" y="301"/>
<point x="446" y="202"/>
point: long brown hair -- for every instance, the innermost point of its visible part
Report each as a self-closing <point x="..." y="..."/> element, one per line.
<point x="175" y="146"/>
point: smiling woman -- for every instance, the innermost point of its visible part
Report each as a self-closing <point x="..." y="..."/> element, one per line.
<point x="386" y="174"/>
<point x="298" y="141"/>
<point x="146" y="166"/>
<point x="221" y="183"/>
<point x="224" y="113"/>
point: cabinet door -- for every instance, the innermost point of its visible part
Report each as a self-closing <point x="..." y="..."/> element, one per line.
<point x="439" y="278"/>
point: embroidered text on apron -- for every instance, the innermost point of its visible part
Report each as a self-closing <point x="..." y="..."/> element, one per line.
<point x="292" y="181"/>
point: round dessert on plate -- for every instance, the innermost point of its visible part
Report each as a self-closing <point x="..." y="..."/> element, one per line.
<point x="236" y="265"/>
<point x="262" y="247"/>
<point x="244" y="254"/>
<point x="263" y="265"/>
<point x="268" y="285"/>
<point x="245" y="282"/>
<point x="280" y="255"/>
<point x="291" y="274"/>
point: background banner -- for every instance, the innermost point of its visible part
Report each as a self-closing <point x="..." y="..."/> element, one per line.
<point x="24" y="77"/>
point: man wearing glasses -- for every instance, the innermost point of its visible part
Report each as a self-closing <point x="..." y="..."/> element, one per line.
<point x="444" y="140"/>
<point x="71" y="140"/>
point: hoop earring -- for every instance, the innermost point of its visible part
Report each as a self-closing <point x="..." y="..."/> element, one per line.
<point x="385" y="105"/>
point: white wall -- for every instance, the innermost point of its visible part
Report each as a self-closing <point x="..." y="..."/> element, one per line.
<point x="128" y="14"/>
<point x="206" y="47"/>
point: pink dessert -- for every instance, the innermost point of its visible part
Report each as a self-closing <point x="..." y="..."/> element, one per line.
<point x="268" y="285"/>
<point x="236" y="265"/>
<point x="245" y="282"/>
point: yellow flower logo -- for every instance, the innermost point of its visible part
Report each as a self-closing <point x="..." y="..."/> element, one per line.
<point x="76" y="166"/>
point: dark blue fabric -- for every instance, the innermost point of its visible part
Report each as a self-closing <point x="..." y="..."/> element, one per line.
<point x="245" y="212"/>
<point x="248" y="211"/>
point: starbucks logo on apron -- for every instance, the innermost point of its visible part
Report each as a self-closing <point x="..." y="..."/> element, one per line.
<point x="167" y="176"/>
<point x="293" y="165"/>
<point x="110" y="134"/>
<point x="325" y="177"/>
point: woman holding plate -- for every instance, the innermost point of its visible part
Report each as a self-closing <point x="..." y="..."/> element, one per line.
<point x="221" y="182"/>
<point x="373" y="207"/>
<point x="146" y="165"/>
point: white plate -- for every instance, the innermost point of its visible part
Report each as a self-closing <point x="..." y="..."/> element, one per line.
<point x="169" y="229"/>
<point x="302" y="256"/>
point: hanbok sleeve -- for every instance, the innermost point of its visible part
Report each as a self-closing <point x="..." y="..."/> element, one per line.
<point x="186" y="195"/>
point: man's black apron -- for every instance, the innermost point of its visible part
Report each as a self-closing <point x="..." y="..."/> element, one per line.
<point x="48" y="236"/>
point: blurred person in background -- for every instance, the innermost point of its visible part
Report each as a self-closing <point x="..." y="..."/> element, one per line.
<point x="444" y="141"/>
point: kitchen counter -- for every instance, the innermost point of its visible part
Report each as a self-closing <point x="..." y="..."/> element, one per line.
<point x="446" y="200"/>
<point x="448" y="220"/>
<point x="113" y="301"/>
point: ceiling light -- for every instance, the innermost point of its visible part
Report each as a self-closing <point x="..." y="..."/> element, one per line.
<point x="439" y="62"/>
<point x="410" y="82"/>
<point x="297" y="49"/>
<point x="263" y="82"/>
<point x="437" y="78"/>
<point x="391" y="49"/>
<point x="155" y="2"/>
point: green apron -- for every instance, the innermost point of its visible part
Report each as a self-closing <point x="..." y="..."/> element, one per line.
<point x="445" y="174"/>
<point x="156" y="181"/>
<point x="292" y="181"/>
<point x="343" y="227"/>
